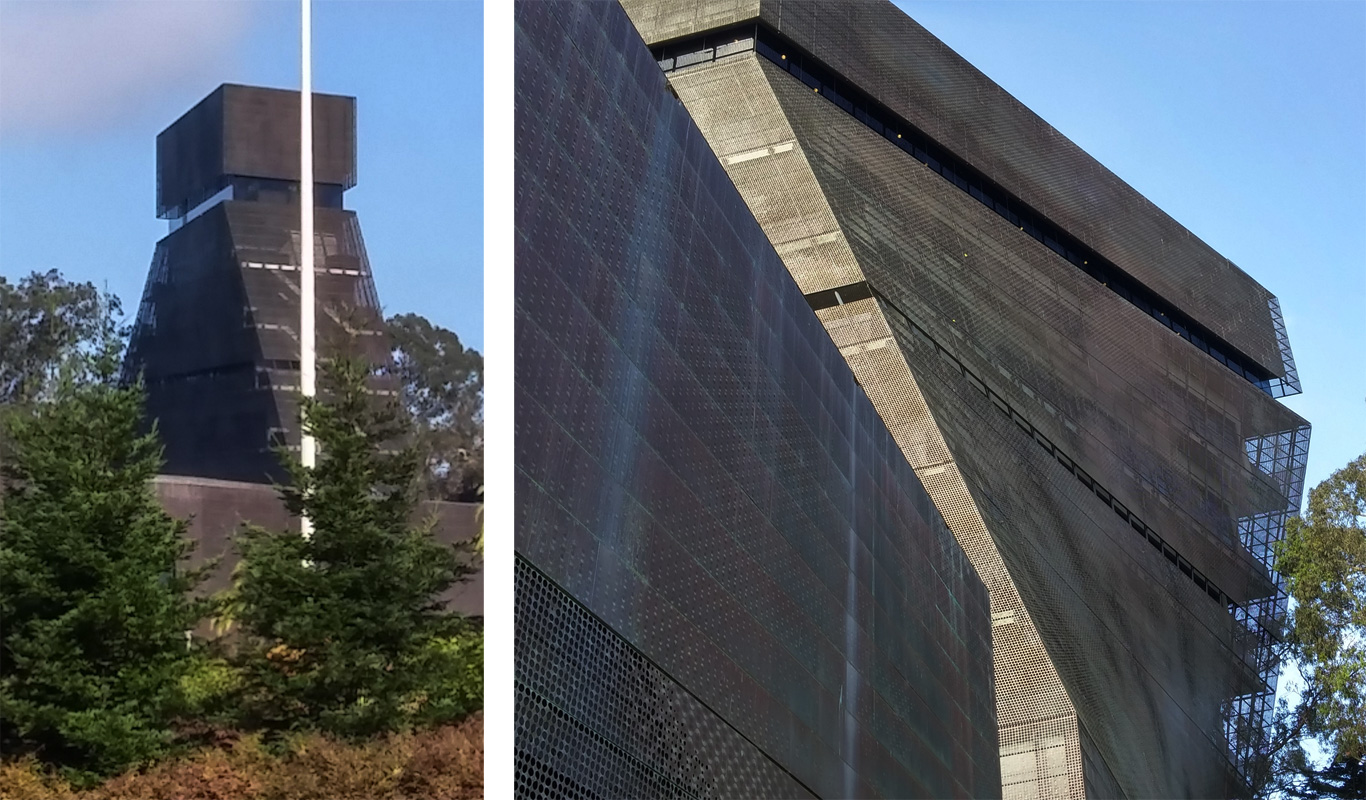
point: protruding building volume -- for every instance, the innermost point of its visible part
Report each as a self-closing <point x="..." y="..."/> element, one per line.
<point x="1086" y="389"/>
<point x="217" y="333"/>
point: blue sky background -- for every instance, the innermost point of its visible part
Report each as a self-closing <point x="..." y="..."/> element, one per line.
<point x="85" y="88"/>
<point x="1246" y="122"/>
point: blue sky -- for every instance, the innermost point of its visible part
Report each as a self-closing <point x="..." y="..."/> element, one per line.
<point x="1246" y="122"/>
<point x="85" y="88"/>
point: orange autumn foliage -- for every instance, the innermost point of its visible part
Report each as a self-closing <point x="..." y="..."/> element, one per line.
<point x="445" y="763"/>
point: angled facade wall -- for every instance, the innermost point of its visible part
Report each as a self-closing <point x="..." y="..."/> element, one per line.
<point x="730" y="582"/>
<point x="1091" y="412"/>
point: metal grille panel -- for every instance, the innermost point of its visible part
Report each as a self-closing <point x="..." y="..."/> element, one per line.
<point x="250" y="131"/>
<point x="640" y="735"/>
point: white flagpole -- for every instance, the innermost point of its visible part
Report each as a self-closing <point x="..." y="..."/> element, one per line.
<point x="307" y="355"/>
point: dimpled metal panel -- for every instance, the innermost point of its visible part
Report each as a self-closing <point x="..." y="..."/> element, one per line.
<point x="1035" y="715"/>
<point x="1205" y="460"/>
<point x="1076" y="397"/>
<point x="958" y="271"/>
<point x="698" y="468"/>
<point x="887" y="54"/>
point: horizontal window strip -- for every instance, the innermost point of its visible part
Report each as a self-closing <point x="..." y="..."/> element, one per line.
<point x="839" y="295"/>
<point x="886" y="123"/>
<point x="221" y="371"/>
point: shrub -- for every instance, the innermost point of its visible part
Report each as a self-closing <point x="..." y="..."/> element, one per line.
<point x="235" y="774"/>
<point x="447" y="763"/>
<point x="208" y="684"/>
<point x="441" y="764"/>
<point x="26" y="779"/>
<point x="457" y="664"/>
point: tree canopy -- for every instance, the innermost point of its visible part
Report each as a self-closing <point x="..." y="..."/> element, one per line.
<point x="442" y="388"/>
<point x="344" y="629"/>
<point x="44" y="319"/>
<point x="343" y="632"/>
<point x="1323" y="560"/>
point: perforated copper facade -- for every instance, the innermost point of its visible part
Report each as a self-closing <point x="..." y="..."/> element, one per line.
<point x="730" y="581"/>
<point x="216" y="337"/>
<point x="636" y="733"/>
<point x="1115" y="484"/>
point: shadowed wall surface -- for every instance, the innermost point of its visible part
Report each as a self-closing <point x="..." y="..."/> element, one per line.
<point x="730" y="583"/>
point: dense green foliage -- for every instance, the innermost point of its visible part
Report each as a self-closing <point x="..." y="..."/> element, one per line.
<point x="1323" y="559"/>
<point x="44" y="320"/>
<point x="94" y="603"/>
<point x="442" y="385"/>
<point x="343" y="630"/>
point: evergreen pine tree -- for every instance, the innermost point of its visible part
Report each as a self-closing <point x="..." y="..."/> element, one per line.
<point x="343" y="630"/>
<point x="94" y="602"/>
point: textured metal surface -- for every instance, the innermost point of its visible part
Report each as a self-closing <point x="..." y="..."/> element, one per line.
<point x="251" y="132"/>
<point x="890" y="56"/>
<point x="698" y="467"/>
<point x="962" y="274"/>
<point x="1052" y="414"/>
<point x="758" y="145"/>
<point x="216" y="337"/>
<point x="1039" y="748"/>
<point x="712" y="45"/>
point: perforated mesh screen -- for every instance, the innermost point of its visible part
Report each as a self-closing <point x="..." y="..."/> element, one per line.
<point x="250" y="131"/>
<point x="1282" y="457"/>
<point x="758" y="37"/>
<point x="1290" y="383"/>
<point x="1040" y="750"/>
<point x="596" y="718"/>
<point x="887" y="54"/>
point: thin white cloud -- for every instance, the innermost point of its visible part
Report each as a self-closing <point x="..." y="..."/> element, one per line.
<point x="66" y="67"/>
